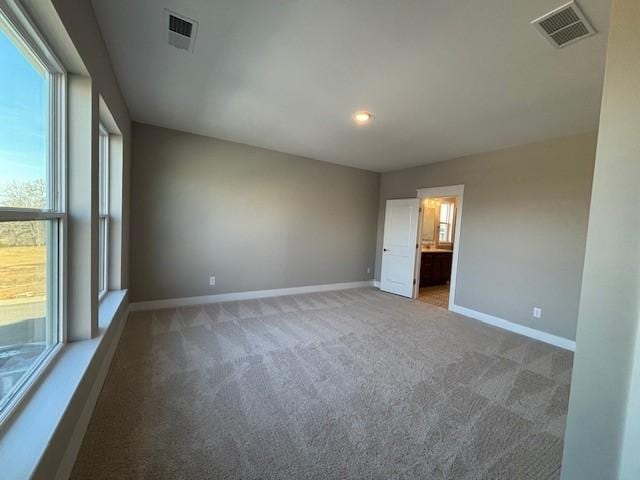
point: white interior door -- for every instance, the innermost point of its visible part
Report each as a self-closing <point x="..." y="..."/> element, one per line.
<point x="399" y="246"/>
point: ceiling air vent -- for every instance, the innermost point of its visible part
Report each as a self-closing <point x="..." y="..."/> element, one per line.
<point x="564" y="26"/>
<point x="182" y="30"/>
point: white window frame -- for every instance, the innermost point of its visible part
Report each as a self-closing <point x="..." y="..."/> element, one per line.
<point x="103" y="207"/>
<point x="34" y="46"/>
<point x="447" y="221"/>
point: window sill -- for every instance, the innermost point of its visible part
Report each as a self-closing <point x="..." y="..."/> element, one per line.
<point x="29" y="431"/>
<point x="108" y="307"/>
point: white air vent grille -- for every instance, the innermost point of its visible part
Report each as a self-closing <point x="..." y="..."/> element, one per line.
<point x="564" y="26"/>
<point x="182" y="30"/>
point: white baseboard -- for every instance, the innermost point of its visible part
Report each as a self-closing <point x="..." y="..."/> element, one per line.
<point x="561" y="342"/>
<point x="235" y="296"/>
<point x="231" y="297"/>
<point x="73" y="448"/>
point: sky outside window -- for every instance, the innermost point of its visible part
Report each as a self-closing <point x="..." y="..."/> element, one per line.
<point x="22" y="122"/>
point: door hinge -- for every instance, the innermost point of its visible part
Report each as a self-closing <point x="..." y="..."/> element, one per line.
<point x="414" y="281"/>
<point x="416" y="245"/>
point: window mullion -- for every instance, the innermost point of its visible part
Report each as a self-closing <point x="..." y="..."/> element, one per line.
<point x="26" y="215"/>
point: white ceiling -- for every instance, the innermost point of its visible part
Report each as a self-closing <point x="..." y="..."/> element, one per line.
<point x="444" y="78"/>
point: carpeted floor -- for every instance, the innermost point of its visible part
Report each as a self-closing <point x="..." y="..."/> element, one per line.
<point x="339" y="385"/>
<point x="438" y="295"/>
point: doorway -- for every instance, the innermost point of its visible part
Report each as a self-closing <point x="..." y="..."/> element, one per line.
<point x="436" y="249"/>
<point x="439" y="237"/>
<point x="404" y="246"/>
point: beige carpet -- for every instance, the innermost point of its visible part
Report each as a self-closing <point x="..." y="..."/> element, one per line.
<point x="352" y="384"/>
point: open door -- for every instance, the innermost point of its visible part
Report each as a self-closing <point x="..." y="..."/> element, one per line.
<point x="401" y="224"/>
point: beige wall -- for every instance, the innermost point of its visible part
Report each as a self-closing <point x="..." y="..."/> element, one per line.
<point x="81" y="25"/>
<point x="255" y="219"/>
<point x="603" y="427"/>
<point x="523" y="231"/>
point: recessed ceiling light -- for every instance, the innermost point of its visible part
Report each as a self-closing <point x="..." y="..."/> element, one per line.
<point x="362" y="117"/>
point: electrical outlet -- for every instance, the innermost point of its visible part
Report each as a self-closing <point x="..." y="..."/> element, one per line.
<point x="212" y="281"/>
<point x="537" y="312"/>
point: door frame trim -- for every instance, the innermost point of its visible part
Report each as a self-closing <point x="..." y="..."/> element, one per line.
<point x="445" y="191"/>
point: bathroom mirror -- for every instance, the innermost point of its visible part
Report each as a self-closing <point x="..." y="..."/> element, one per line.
<point x="428" y="223"/>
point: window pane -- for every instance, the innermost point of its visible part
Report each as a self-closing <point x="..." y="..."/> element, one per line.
<point x="104" y="210"/>
<point x="443" y="235"/>
<point x="28" y="318"/>
<point x="444" y="212"/>
<point x="102" y="255"/>
<point x="23" y="132"/>
<point x="103" y="172"/>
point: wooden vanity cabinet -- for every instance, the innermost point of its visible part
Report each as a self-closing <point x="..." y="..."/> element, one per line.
<point x="435" y="268"/>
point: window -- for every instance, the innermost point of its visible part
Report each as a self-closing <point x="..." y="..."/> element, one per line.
<point x="103" y="248"/>
<point x="32" y="210"/>
<point x="445" y="226"/>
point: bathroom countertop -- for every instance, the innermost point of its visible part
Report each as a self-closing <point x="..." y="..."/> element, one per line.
<point x="435" y="250"/>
